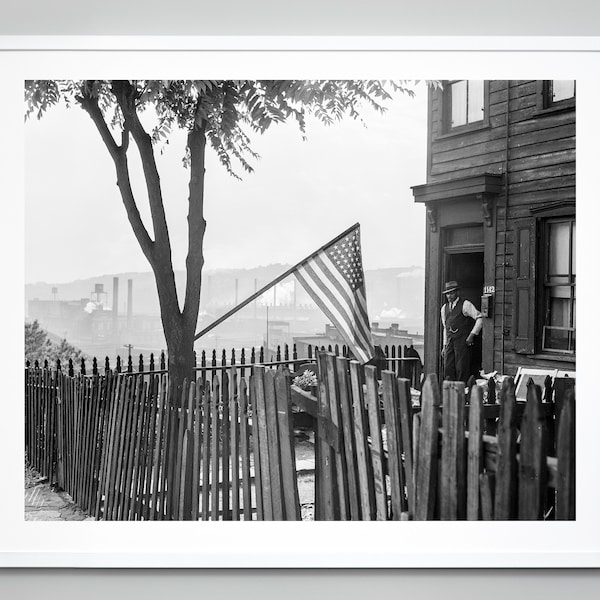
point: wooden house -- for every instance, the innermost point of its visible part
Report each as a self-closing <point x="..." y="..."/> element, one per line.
<point x="500" y="205"/>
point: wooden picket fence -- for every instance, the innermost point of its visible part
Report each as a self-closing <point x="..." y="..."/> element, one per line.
<point x="124" y="450"/>
<point x="380" y="458"/>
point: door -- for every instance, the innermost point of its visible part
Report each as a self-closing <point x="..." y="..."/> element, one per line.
<point x="465" y="265"/>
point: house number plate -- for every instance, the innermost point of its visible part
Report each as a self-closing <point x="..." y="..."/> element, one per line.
<point x="489" y="289"/>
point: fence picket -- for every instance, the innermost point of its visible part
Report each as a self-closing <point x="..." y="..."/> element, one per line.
<point x="151" y="432"/>
<point x="268" y="474"/>
<point x="505" y="502"/>
<point x="565" y="452"/>
<point x="289" y="482"/>
<point x="109" y="492"/>
<point x="365" y="480"/>
<point x="245" y="451"/>
<point x="196" y="458"/>
<point x="225" y="446"/>
<point x="133" y="429"/>
<point x="453" y="443"/>
<point x="532" y="471"/>
<point x="394" y="441"/>
<point x="427" y="453"/>
<point x="206" y="430"/>
<point x="215" y="435"/>
<point x="256" y="451"/>
<point x="234" y="444"/>
<point x="475" y="453"/>
<point x="342" y="498"/>
<point x="349" y="446"/>
<point x="325" y="507"/>
<point x="158" y="450"/>
<point x="273" y="436"/>
<point x="406" y="429"/>
<point x="376" y="442"/>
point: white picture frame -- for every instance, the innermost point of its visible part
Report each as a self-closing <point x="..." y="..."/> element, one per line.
<point x="345" y="545"/>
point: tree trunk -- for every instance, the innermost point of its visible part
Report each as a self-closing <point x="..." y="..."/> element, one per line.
<point x="180" y="360"/>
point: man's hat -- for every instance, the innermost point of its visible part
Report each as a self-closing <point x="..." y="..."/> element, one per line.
<point x="450" y="286"/>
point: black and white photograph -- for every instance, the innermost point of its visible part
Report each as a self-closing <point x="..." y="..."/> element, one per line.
<point x="300" y="300"/>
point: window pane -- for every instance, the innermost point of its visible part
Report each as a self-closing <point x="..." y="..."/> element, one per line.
<point x="558" y="339"/>
<point x="559" y="312"/>
<point x="559" y="249"/>
<point x="475" y="101"/>
<point x="562" y="89"/>
<point x="458" y="102"/>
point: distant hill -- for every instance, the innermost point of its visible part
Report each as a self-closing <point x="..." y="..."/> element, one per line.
<point x="394" y="294"/>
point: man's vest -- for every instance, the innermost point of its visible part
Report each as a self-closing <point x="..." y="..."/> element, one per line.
<point x="457" y="324"/>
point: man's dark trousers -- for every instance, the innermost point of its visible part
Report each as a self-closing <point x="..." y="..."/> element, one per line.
<point x="457" y="359"/>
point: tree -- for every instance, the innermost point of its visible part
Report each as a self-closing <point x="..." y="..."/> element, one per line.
<point x="222" y="113"/>
<point x="38" y="346"/>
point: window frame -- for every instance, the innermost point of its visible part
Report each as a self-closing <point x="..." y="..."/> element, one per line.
<point x="447" y="129"/>
<point x="544" y="284"/>
<point x="545" y="103"/>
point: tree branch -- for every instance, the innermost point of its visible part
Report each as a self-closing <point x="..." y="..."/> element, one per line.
<point x="161" y="262"/>
<point x="125" y="95"/>
<point x="119" y="156"/>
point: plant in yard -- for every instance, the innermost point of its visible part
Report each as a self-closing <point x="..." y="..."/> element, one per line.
<point x="221" y="115"/>
<point x="305" y="381"/>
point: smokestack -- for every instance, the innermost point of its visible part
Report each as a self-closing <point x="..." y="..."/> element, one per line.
<point x="115" y="304"/>
<point x="129" y="303"/>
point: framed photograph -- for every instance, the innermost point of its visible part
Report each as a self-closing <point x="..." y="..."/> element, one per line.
<point x="260" y="288"/>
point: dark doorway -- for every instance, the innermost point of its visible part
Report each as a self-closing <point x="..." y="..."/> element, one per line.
<point x="466" y="267"/>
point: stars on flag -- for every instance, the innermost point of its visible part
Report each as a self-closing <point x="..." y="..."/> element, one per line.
<point x="346" y="255"/>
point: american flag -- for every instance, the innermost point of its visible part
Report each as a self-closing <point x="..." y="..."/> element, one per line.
<point x="334" y="279"/>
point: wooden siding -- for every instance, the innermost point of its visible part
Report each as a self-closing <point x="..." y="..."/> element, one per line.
<point x="537" y="158"/>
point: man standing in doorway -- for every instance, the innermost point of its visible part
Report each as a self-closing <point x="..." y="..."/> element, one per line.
<point x="461" y="322"/>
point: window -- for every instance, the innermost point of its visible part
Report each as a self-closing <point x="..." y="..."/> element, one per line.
<point x="465" y="105"/>
<point x="558" y="325"/>
<point x="544" y="290"/>
<point x="555" y="94"/>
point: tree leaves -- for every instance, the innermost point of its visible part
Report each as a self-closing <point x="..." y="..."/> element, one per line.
<point x="224" y="107"/>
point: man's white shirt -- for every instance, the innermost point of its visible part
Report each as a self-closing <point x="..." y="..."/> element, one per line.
<point x="468" y="310"/>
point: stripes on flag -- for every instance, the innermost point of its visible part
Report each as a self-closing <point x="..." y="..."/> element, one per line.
<point x="334" y="279"/>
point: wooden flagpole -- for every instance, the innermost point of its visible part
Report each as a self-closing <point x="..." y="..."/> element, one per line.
<point x="272" y="283"/>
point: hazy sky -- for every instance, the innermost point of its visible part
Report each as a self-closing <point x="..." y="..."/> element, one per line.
<point x="301" y="194"/>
